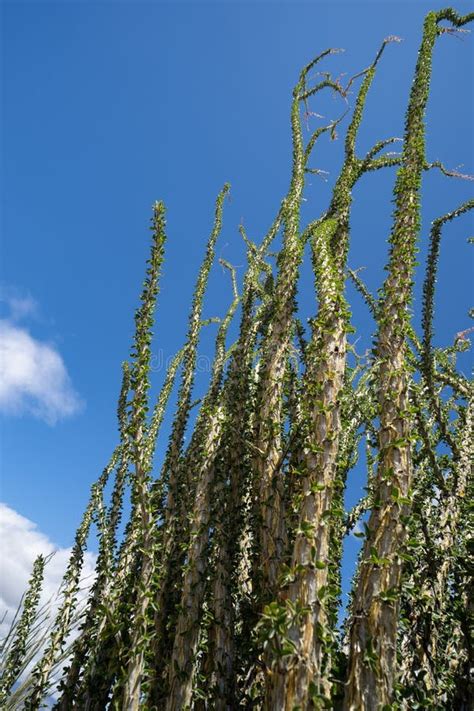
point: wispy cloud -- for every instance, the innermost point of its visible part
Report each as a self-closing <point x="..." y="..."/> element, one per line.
<point x="21" y="543"/>
<point x="19" y="303"/>
<point x="33" y="377"/>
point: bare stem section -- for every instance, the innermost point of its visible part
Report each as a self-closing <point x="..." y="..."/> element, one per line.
<point x="373" y="634"/>
<point x="219" y="573"/>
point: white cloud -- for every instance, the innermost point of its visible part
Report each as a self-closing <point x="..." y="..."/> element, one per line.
<point x="33" y="377"/>
<point x="19" y="303"/>
<point x="21" y="543"/>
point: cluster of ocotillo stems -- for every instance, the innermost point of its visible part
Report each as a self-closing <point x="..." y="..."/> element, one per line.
<point x="223" y="588"/>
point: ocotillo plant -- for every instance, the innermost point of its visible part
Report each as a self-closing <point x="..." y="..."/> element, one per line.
<point x="224" y="590"/>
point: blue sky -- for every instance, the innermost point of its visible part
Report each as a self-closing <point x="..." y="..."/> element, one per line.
<point x="108" y="106"/>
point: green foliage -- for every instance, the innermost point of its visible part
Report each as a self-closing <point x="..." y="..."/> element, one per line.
<point x="224" y="590"/>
